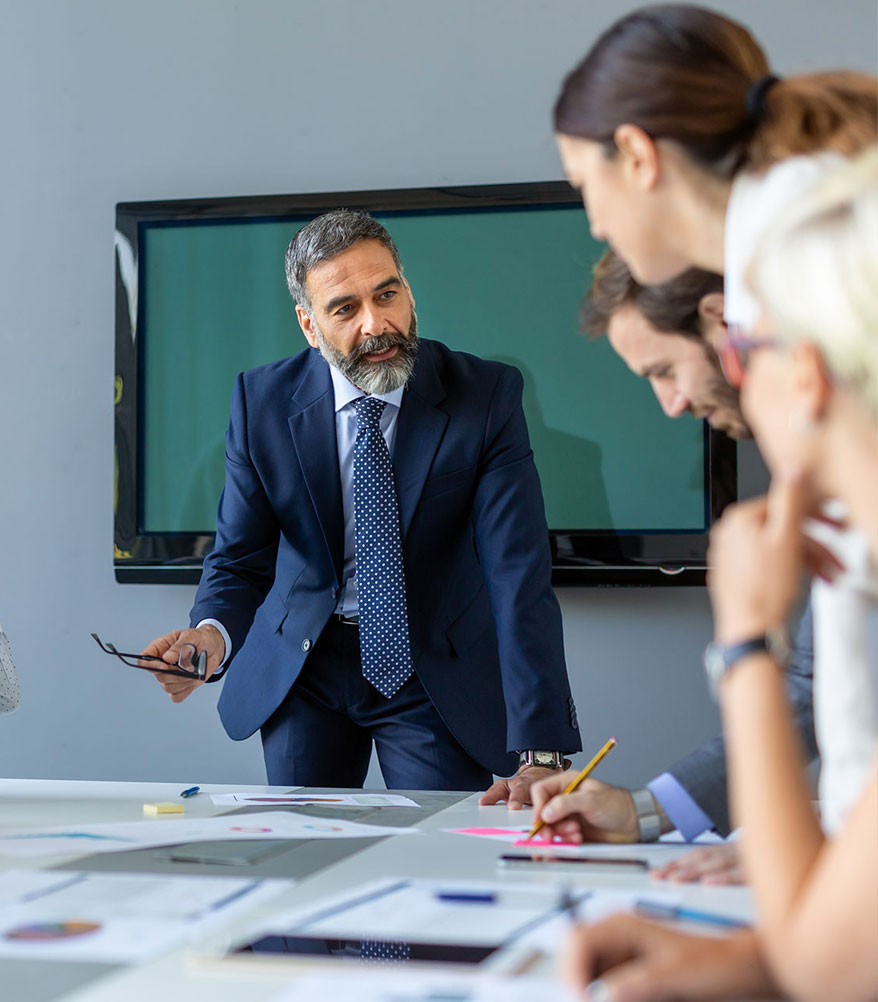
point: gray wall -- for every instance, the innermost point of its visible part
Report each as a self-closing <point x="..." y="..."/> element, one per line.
<point x="107" y="101"/>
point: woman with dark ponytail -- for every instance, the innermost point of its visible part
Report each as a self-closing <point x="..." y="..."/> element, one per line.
<point x="674" y="109"/>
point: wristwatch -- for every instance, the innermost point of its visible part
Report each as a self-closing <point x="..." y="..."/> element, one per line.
<point x="719" y="659"/>
<point x="649" y="822"/>
<point x="542" y="759"/>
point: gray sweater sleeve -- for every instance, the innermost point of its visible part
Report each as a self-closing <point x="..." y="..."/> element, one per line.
<point x="702" y="772"/>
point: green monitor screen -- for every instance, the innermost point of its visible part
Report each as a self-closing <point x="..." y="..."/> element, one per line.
<point x="502" y="277"/>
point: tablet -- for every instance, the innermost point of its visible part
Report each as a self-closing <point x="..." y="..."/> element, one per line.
<point x="368" y="950"/>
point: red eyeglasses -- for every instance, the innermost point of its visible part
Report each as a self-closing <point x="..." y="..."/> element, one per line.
<point x="734" y="354"/>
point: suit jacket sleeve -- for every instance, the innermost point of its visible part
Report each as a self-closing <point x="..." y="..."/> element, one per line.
<point x="239" y="571"/>
<point x="703" y="772"/>
<point x="512" y="543"/>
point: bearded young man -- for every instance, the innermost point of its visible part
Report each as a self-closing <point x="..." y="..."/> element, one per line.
<point x="382" y="568"/>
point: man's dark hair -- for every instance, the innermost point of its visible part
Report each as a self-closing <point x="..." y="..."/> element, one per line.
<point x="324" y="238"/>
<point x="671" y="307"/>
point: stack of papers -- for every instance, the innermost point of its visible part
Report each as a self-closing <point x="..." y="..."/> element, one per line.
<point x="294" y="799"/>
<point x="117" y="918"/>
<point x="426" y="911"/>
<point x="116" y="837"/>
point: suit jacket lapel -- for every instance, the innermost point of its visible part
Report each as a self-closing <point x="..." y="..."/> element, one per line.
<point x="312" y="424"/>
<point x="418" y="434"/>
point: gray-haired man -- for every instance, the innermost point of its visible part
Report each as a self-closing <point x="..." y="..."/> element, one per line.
<point x="382" y="569"/>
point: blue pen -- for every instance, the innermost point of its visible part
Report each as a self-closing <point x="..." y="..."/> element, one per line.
<point x="190" y="792"/>
<point x="655" y="909"/>
<point x="467" y="897"/>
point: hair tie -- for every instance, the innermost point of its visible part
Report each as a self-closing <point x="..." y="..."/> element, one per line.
<point x="756" y="95"/>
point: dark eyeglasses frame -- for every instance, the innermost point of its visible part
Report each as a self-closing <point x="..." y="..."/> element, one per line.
<point x="199" y="661"/>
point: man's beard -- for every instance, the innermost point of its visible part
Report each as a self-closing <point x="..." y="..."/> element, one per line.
<point x="375" y="377"/>
<point x="725" y="404"/>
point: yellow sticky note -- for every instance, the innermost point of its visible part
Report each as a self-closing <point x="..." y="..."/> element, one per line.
<point x="166" y="808"/>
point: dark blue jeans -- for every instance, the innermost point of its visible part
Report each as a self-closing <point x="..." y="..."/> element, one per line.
<point x="322" y="733"/>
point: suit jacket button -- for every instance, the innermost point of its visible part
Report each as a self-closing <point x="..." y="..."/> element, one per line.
<point x="306" y="645"/>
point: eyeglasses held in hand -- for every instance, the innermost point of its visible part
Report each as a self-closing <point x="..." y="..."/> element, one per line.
<point x="191" y="663"/>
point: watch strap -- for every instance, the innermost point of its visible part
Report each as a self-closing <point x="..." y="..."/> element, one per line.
<point x="719" y="659"/>
<point x="649" y="823"/>
<point x="733" y="653"/>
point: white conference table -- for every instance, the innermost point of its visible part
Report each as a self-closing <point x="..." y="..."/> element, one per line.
<point x="328" y="868"/>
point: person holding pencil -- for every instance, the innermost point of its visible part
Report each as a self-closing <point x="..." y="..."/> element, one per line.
<point x="577" y="780"/>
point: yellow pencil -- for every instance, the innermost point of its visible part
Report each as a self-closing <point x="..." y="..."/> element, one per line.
<point x="577" y="780"/>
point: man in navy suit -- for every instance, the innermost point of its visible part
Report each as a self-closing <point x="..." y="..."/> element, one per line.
<point x="446" y="648"/>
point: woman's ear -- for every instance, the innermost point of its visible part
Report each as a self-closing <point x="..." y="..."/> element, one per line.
<point x="811" y="380"/>
<point x="640" y="156"/>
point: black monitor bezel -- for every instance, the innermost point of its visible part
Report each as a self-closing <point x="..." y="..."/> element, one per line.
<point x="579" y="557"/>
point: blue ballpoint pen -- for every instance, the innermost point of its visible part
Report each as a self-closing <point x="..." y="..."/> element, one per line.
<point x="467" y="897"/>
<point x="190" y="792"/>
<point x="656" y="909"/>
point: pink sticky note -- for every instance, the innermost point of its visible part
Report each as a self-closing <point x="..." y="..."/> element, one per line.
<point x="545" y="842"/>
<point x="489" y="832"/>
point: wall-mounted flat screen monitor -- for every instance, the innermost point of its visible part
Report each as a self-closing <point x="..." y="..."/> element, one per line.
<point x="496" y="270"/>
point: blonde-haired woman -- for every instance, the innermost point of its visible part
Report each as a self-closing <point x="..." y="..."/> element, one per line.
<point x="809" y="388"/>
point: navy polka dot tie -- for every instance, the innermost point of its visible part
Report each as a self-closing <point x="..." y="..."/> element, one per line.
<point x="379" y="951"/>
<point x="384" y="630"/>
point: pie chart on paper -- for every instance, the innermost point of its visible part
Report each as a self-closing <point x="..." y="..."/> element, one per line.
<point x="41" y="932"/>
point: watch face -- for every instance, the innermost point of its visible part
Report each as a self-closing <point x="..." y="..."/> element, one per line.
<point x="722" y="658"/>
<point x="714" y="667"/>
<point x="714" y="659"/>
<point x="543" y="759"/>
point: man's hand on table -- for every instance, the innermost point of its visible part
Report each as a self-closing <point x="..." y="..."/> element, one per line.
<point x="516" y="790"/>
<point x="708" y="864"/>
<point x="205" y="638"/>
